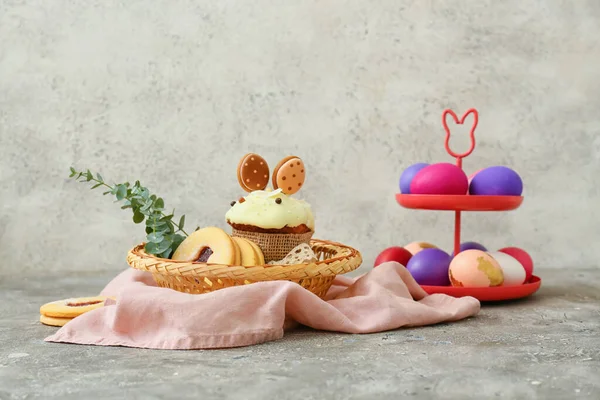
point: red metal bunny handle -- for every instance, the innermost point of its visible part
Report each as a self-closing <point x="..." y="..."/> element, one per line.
<point x="459" y="157"/>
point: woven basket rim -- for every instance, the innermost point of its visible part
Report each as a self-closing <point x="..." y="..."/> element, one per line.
<point x="139" y="251"/>
<point x="346" y="259"/>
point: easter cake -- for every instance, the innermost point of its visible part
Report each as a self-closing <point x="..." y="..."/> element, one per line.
<point x="272" y="218"/>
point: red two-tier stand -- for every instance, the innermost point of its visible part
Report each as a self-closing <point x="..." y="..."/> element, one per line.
<point x="460" y="203"/>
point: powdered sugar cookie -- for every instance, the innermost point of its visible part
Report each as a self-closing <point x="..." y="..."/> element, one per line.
<point x="289" y="175"/>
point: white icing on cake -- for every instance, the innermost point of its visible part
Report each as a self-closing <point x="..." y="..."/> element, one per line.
<point x="260" y="209"/>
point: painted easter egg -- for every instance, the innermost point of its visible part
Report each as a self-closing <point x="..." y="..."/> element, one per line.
<point x="475" y="268"/>
<point x="514" y="273"/>
<point x="496" y="181"/>
<point x="407" y="176"/>
<point x="523" y="257"/>
<point x="430" y="267"/>
<point x="441" y="178"/>
<point x="470" y="246"/>
<point x="416" y="247"/>
<point x="394" y="253"/>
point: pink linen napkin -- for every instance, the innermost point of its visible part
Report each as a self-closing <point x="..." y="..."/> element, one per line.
<point x="148" y="316"/>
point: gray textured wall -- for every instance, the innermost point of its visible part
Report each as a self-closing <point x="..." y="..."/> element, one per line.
<point x="174" y="93"/>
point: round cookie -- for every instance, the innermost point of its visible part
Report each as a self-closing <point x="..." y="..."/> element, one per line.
<point x="259" y="253"/>
<point x="238" y="253"/>
<point x="289" y="175"/>
<point x="253" y="172"/>
<point x="248" y="252"/>
<point x="210" y="245"/>
<point x="52" y="321"/>
<point x="71" y="308"/>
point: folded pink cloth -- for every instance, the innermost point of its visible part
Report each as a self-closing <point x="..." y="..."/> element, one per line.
<point x="148" y="316"/>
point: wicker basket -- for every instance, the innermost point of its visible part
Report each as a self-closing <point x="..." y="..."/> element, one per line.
<point x="197" y="278"/>
<point x="274" y="246"/>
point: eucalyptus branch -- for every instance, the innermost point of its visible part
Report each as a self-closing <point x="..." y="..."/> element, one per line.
<point x="162" y="233"/>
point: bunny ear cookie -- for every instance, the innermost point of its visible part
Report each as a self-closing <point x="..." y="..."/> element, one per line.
<point x="289" y="175"/>
<point x="253" y="172"/>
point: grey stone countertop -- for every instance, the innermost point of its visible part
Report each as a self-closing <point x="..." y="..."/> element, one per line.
<point x="543" y="347"/>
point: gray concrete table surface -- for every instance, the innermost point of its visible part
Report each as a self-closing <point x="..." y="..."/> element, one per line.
<point x="543" y="347"/>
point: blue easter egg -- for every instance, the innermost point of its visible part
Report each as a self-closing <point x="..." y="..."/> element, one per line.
<point x="496" y="181"/>
<point x="408" y="175"/>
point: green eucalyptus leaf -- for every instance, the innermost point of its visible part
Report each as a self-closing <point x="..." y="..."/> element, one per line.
<point x="135" y="203"/>
<point x="162" y="246"/>
<point x="99" y="177"/>
<point x="160" y="226"/>
<point x="171" y="227"/>
<point x="96" y="186"/>
<point x="138" y="217"/>
<point x="152" y="220"/>
<point x="145" y="212"/>
<point x="149" y="230"/>
<point x="165" y="254"/>
<point x="146" y="205"/>
<point x="164" y="231"/>
<point x="150" y="248"/>
<point x="181" y="221"/>
<point x="155" y="237"/>
<point x="121" y="192"/>
<point x="177" y="239"/>
<point x="159" y="203"/>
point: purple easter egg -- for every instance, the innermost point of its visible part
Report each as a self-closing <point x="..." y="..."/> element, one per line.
<point x="470" y="246"/>
<point x="430" y="267"/>
<point x="408" y="175"/>
<point x="440" y="179"/>
<point x="496" y="181"/>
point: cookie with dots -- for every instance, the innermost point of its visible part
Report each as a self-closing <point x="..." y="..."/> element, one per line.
<point x="289" y="175"/>
<point x="253" y="172"/>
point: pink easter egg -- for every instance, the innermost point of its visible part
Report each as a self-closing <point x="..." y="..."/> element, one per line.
<point x="440" y="178"/>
